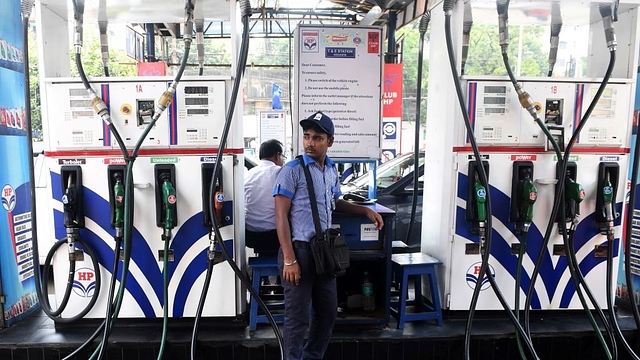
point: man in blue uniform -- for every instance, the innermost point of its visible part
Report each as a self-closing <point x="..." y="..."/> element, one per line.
<point x="295" y="227"/>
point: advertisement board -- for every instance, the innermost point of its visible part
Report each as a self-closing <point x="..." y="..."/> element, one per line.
<point x="16" y="255"/>
<point x="622" y="290"/>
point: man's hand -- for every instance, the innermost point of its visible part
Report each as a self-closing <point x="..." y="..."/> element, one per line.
<point x="345" y="206"/>
<point x="291" y="273"/>
<point x="375" y="218"/>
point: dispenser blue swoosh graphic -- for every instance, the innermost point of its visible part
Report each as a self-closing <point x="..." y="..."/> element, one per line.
<point x="549" y="274"/>
<point x="141" y="254"/>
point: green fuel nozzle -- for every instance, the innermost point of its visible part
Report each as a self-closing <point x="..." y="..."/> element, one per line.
<point x="481" y="210"/>
<point x="574" y="191"/>
<point x="169" y="203"/>
<point x="118" y="197"/>
<point x="529" y="197"/>
<point x="481" y="199"/>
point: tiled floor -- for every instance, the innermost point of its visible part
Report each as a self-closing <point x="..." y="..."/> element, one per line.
<point x="557" y="335"/>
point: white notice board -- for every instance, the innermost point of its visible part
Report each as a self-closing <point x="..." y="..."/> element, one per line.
<point x="272" y="126"/>
<point x="339" y="72"/>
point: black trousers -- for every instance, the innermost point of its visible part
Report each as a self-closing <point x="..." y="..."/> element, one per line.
<point x="319" y="292"/>
<point x="265" y="243"/>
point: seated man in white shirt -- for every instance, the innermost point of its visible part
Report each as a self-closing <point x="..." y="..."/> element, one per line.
<point x="259" y="211"/>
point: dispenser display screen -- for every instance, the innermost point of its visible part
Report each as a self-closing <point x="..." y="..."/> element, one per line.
<point x="196" y="101"/>
<point x="495" y="89"/>
<point x="78" y="92"/>
<point x="197" y="111"/>
<point x="494" y="100"/>
<point x="196" y="90"/>
<point x="80" y="103"/>
<point x="494" y="110"/>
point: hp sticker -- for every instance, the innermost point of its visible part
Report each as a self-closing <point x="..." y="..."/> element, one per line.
<point x="220" y="197"/>
<point x="172" y="199"/>
<point x="482" y="193"/>
<point x="84" y="283"/>
<point x="533" y="196"/>
<point x="8" y="198"/>
<point x="608" y="190"/>
<point x="310" y="43"/>
<point x="582" y="194"/>
<point x="473" y="274"/>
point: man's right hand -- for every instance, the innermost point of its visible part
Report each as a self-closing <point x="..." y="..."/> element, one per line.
<point x="291" y="273"/>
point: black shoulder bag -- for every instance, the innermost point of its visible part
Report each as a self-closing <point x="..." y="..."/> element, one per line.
<point x="329" y="248"/>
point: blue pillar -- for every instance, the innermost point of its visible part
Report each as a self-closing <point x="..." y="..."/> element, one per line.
<point x="151" y="43"/>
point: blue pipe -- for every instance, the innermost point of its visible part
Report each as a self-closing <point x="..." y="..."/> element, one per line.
<point x="392" y="56"/>
<point x="151" y="42"/>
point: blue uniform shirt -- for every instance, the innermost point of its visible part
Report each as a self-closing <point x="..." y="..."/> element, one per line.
<point x="291" y="182"/>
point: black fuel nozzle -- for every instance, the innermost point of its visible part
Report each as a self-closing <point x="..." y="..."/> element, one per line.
<point x="529" y="196"/>
<point x="69" y="203"/>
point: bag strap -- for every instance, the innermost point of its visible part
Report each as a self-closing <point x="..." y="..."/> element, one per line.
<point x="312" y="196"/>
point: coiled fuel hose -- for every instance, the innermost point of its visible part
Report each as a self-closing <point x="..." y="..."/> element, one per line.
<point x="41" y="279"/>
<point x="217" y="239"/>
<point x="527" y="103"/>
<point x="559" y="198"/>
<point x="424" y="23"/>
<point x="102" y="110"/>
<point x="484" y="269"/>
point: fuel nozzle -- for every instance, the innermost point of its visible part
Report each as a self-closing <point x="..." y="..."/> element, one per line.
<point x="118" y="197"/>
<point x="481" y="210"/>
<point x="529" y="197"/>
<point x="169" y="203"/>
<point x="574" y="194"/>
<point x="607" y="195"/>
<point x="69" y="203"/>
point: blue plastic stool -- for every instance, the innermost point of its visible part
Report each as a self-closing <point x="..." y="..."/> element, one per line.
<point x="413" y="266"/>
<point x="262" y="266"/>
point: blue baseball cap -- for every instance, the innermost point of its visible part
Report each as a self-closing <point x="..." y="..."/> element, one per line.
<point x="321" y="120"/>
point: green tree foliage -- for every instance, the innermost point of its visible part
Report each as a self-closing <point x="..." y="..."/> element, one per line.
<point x="34" y="87"/>
<point x="485" y="56"/>
<point x="410" y="77"/>
<point x="119" y="63"/>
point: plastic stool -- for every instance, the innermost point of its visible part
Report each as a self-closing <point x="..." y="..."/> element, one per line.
<point x="413" y="266"/>
<point x="262" y="266"/>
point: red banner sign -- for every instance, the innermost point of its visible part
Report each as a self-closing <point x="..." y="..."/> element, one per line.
<point x="392" y="94"/>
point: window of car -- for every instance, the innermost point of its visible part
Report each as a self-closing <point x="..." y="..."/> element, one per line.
<point x="390" y="172"/>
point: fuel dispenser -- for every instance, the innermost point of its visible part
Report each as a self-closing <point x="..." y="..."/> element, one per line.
<point x="512" y="146"/>
<point x="170" y="239"/>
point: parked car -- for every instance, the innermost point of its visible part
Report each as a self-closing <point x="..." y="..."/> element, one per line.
<point x="394" y="189"/>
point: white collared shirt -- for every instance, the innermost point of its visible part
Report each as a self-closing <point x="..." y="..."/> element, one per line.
<point x="259" y="205"/>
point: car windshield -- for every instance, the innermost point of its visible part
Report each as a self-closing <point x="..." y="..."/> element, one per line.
<point x="390" y="172"/>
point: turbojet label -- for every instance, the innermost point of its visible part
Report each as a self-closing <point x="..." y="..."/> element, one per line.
<point x="72" y="161"/>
